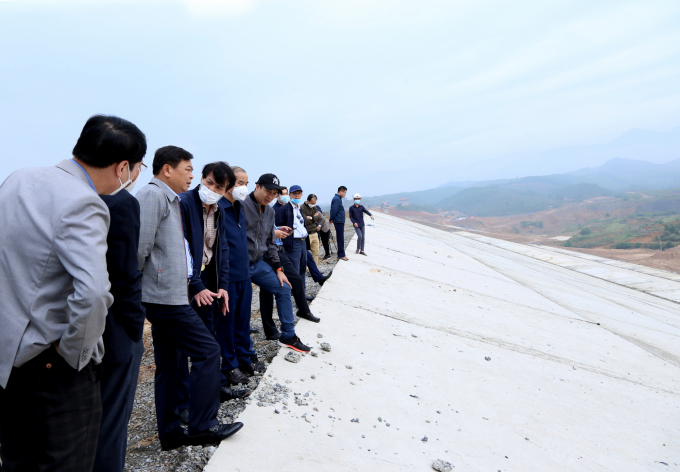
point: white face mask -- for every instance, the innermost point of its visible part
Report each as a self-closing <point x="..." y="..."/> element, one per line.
<point x="129" y="185"/>
<point x="240" y="193"/>
<point x="208" y="196"/>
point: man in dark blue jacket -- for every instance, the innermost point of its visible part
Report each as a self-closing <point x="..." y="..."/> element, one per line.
<point x="356" y="216"/>
<point x="282" y="199"/>
<point x="337" y="218"/>
<point x="233" y="330"/>
<point x="203" y="224"/>
<point x="291" y="216"/>
<point x="122" y="337"/>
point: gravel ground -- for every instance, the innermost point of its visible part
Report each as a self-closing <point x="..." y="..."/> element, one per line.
<point x="144" y="452"/>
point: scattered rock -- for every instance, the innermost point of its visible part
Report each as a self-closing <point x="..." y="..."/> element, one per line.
<point x="330" y="434"/>
<point x="440" y="465"/>
<point x="319" y="335"/>
<point x="314" y="354"/>
<point x="363" y="435"/>
<point x="277" y="411"/>
<point x="326" y="347"/>
<point x="348" y="366"/>
<point x="424" y="439"/>
<point x="487" y="358"/>
<point x="313" y="376"/>
<point x="292" y="357"/>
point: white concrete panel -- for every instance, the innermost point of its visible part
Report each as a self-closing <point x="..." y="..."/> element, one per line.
<point x="416" y="319"/>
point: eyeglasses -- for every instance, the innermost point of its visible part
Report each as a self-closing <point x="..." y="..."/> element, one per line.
<point x="143" y="168"/>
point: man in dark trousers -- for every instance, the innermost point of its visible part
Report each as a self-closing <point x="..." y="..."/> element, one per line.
<point x="337" y="218"/>
<point x="55" y="296"/>
<point x="291" y="216"/>
<point x="356" y="216"/>
<point x="233" y="330"/>
<point x="165" y="260"/>
<point x="123" y="343"/>
<point x="265" y="264"/>
<point x="203" y="223"/>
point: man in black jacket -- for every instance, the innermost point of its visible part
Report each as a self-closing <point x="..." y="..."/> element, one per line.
<point x="123" y="344"/>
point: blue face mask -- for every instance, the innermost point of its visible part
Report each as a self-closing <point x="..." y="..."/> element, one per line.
<point x="285" y="198"/>
<point x="297" y="201"/>
<point x="357" y="201"/>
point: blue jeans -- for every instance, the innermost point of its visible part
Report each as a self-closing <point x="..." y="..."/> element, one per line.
<point x="313" y="268"/>
<point x="262" y="275"/>
<point x="361" y="237"/>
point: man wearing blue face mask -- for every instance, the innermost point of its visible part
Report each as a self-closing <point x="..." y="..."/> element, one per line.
<point x="356" y="216"/>
<point x="291" y="215"/>
<point x="282" y="199"/>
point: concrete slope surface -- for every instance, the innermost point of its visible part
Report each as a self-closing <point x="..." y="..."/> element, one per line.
<point x="490" y="358"/>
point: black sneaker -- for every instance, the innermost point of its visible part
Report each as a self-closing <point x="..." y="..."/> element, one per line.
<point x="295" y="344"/>
<point x="309" y="317"/>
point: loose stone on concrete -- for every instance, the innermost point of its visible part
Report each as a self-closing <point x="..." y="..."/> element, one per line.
<point x="293" y="357"/>
<point x="326" y="347"/>
<point x="442" y="466"/>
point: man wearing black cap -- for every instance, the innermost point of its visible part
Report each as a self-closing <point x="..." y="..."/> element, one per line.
<point x="265" y="265"/>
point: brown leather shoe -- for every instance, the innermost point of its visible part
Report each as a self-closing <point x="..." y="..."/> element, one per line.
<point x="235" y="376"/>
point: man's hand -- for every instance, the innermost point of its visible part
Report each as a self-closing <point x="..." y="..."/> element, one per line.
<point x="56" y="346"/>
<point x="204" y="297"/>
<point x="318" y="229"/>
<point x="282" y="278"/>
<point x="281" y="234"/>
<point x="372" y="217"/>
<point x="309" y="217"/>
<point x="222" y="293"/>
<point x="315" y="214"/>
<point x="356" y="225"/>
<point x="331" y="222"/>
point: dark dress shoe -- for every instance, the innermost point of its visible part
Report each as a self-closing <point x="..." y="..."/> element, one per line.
<point x="235" y="376"/>
<point x="214" y="435"/>
<point x="227" y="394"/>
<point x="273" y="337"/>
<point x="309" y="317"/>
<point x="175" y="440"/>
<point x="324" y="278"/>
<point x="310" y="298"/>
<point x="184" y="416"/>
<point x="252" y="369"/>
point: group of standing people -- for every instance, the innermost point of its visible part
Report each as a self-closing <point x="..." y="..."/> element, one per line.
<point x="84" y="263"/>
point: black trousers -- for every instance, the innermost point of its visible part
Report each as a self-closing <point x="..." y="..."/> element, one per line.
<point x="325" y="240"/>
<point x="177" y="330"/>
<point x="118" y="386"/>
<point x="267" y="298"/>
<point x="49" y="416"/>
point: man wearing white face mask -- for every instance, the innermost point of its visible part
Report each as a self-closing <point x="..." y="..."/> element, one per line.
<point x="203" y="223"/>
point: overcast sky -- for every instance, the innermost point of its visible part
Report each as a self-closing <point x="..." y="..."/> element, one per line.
<point x="380" y="96"/>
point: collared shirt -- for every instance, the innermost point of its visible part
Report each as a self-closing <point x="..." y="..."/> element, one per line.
<point x="89" y="179"/>
<point x="299" y="229"/>
<point x="190" y="260"/>
<point x="209" y="233"/>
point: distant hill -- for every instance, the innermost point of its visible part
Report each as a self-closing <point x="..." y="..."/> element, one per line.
<point x="424" y="197"/>
<point x="635" y="144"/>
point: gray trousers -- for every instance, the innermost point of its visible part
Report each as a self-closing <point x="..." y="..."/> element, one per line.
<point x="361" y="238"/>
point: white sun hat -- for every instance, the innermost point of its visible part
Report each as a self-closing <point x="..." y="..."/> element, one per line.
<point x="356" y="195"/>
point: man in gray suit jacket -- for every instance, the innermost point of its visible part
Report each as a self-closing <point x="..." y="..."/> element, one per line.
<point x="54" y="296"/>
<point x="166" y="265"/>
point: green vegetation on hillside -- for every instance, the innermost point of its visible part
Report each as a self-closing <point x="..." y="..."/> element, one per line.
<point x="537" y="224"/>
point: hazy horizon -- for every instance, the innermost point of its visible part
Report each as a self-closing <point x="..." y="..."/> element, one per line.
<point x="378" y="96"/>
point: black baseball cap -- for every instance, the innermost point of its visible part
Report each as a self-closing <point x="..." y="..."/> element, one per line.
<point x="269" y="181"/>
